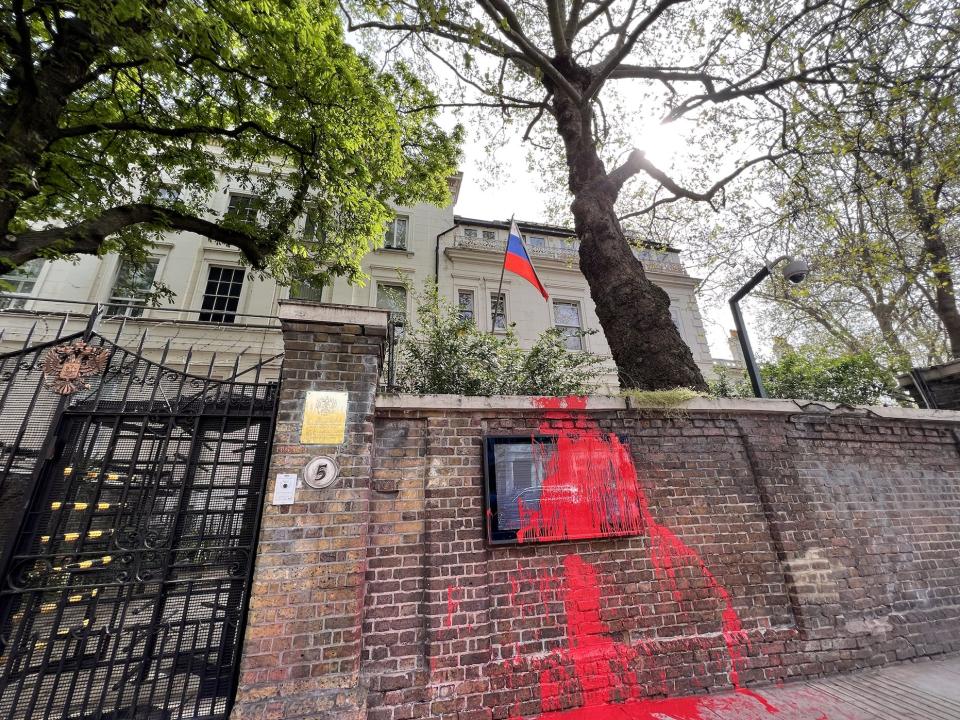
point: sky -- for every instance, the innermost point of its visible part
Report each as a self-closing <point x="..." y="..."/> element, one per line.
<point x="515" y="190"/>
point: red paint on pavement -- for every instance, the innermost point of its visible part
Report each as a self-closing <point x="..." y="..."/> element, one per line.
<point x="702" y="707"/>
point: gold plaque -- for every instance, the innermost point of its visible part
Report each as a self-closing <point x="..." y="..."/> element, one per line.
<point x="324" y="418"/>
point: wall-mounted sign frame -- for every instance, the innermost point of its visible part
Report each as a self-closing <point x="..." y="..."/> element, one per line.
<point x="324" y="419"/>
<point x="546" y="488"/>
<point x="512" y="471"/>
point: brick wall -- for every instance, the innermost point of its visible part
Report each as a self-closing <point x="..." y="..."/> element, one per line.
<point x="778" y="541"/>
<point x="835" y="536"/>
<point x="301" y="652"/>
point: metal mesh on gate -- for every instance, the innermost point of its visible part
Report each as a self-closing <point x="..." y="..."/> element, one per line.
<point x="125" y="589"/>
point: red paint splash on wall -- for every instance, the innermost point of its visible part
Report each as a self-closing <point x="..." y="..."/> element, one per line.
<point x="591" y="489"/>
<point x="602" y="667"/>
<point x="452" y="604"/>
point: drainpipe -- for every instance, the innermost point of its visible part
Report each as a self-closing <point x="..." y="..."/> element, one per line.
<point x="436" y="259"/>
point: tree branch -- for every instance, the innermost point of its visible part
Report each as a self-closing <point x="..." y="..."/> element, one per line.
<point x="647" y="72"/>
<point x="500" y="12"/>
<point x="88" y="236"/>
<point x="630" y="167"/>
<point x="24" y="47"/>
<point x="177" y="132"/>
<point x="607" y="65"/>
<point x="557" y="27"/>
<point x="637" y="158"/>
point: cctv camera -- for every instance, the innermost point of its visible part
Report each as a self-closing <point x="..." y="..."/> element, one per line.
<point x="795" y="271"/>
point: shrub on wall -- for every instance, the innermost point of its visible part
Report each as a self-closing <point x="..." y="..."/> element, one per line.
<point x="810" y="374"/>
<point x="445" y="352"/>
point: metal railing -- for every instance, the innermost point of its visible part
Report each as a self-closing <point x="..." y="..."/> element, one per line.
<point x="106" y="314"/>
<point x="569" y="251"/>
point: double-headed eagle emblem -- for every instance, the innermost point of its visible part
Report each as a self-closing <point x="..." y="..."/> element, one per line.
<point x="66" y="366"/>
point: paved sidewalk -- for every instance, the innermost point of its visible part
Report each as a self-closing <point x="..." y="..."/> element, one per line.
<point x="925" y="690"/>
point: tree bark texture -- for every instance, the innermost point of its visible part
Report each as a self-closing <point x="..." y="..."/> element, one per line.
<point x="633" y="312"/>
<point x="945" y="297"/>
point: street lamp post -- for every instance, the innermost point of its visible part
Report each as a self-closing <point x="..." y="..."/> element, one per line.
<point x="795" y="271"/>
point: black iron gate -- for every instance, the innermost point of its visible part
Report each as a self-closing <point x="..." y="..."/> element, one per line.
<point x="131" y="507"/>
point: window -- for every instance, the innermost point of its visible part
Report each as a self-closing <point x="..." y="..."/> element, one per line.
<point x="566" y="317"/>
<point x="396" y="237"/>
<point x="490" y="236"/>
<point x="222" y="296"/>
<point x="131" y="288"/>
<point x="498" y="311"/>
<point x="536" y="242"/>
<point x="21" y="280"/>
<point x="306" y="291"/>
<point x="394" y="299"/>
<point x="470" y="233"/>
<point x="243" y="207"/>
<point x="465" y="305"/>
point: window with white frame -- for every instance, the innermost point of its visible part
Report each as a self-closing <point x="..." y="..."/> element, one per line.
<point x="22" y="281"/>
<point x="535" y="241"/>
<point x="470" y="233"/>
<point x="222" y="294"/>
<point x="490" y="236"/>
<point x="393" y="298"/>
<point x="243" y="207"/>
<point x="396" y="237"/>
<point x="131" y="288"/>
<point x="465" y="305"/>
<point x="498" y="311"/>
<point x="566" y="317"/>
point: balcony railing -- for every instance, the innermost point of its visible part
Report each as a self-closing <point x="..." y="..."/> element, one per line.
<point x="569" y="251"/>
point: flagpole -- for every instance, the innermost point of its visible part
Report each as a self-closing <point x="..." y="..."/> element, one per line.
<point x="501" y="301"/>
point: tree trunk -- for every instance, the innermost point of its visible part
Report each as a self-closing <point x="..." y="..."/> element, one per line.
<point x="883" y="313"/>
<point x="945" y="297"/>
<point x="633" y="312"/>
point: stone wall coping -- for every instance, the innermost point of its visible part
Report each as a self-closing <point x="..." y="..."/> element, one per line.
<point x="330" y="314"/>
<point x="402" y="401"/>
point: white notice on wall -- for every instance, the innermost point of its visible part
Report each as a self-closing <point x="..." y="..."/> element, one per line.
<point x="284" y="490"/>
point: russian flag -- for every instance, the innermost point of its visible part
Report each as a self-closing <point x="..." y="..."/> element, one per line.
<point x="518" y="262"/>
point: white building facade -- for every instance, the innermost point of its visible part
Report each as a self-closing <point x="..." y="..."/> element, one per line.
<point x="222" y="308"/>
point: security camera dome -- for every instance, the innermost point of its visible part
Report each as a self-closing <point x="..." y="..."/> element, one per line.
<point x="795" y="271"/>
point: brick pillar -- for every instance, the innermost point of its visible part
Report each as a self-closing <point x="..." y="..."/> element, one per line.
<point x="301" y="652"/>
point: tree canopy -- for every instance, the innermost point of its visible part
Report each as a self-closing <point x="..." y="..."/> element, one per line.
<point x="571" y="74"/>
<point x="119" y="118"/>
<point x="869" y="195"/>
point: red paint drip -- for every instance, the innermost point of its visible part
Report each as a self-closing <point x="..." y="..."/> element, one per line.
<point x="591" y="489"/>
<point x="452" y="605"/>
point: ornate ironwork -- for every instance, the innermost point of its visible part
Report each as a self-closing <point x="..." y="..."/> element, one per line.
<point x="67" y="366"/>
<point x="134" y="500"/>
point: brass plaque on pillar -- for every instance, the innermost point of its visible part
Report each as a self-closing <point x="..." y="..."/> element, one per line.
<point x="324" y="418"/>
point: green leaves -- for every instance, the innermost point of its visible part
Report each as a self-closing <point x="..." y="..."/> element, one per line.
<point x="808" y="374"/>
<point x="447" y="354"/>
<point x="264" y="96"/>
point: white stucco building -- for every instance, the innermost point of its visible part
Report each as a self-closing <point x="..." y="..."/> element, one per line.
<point x="222" y="307"/>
